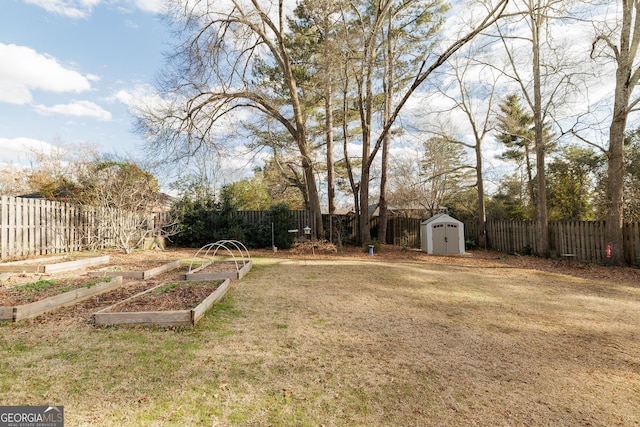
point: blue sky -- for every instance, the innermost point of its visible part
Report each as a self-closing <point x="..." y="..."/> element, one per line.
<point x="68" y="69"/>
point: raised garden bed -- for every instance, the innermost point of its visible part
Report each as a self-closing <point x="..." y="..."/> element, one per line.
<point x="218" y="270"/>
<point x="233" y="262"/>
<point x="195" y="298"/>
<point x="53" y="265"/>
<point x="33" y="299"/>
<point x="137" y="272"/>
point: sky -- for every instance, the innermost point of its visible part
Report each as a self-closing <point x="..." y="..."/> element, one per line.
<point x="69" y="69"/>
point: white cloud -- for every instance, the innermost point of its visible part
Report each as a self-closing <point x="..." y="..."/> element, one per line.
<point x="23" y="70"/>
<point x="140" y="97"/>
<point x="135" y="96"/>
<point x="18" y="150"/>
<point x="80" y="9"/>
<point x="77" y="108"/>
<point x="76" y="9"/>
<point x="152" y="6"/>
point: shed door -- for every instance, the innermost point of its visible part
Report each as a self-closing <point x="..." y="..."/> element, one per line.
<point x="445" y="238"/>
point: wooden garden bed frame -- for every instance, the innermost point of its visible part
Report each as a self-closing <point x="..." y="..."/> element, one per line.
<point x="236" y="273"/>
<point x="36" y="308"/>
<point x="161" y="318"/>
<point x="146" y="274"/>
<point x="49" y="266"/>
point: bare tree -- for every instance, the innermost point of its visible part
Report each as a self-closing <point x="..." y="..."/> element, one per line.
<point x="56" y="169"/>
<point x="427" y="63"/>
<point x="229" y="51"/>
<point x="428" y="177"/>
<point x="540" y="65"/>
<point x="13" y="179"/>
<point x="622" y="43"/>
<point x="124" y="199"/>
<point x="472" y="92"/>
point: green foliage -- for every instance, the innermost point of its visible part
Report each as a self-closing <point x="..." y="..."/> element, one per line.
<point x="470" y="243"/>
<point x="463" y="205"/>
<point x="203" y="221"/>
<point x="283" y="220"/>
<point x="40" y="285"/>
<point x="247" y="194"/>
<point x="631" y="207"/>
<point x="515" y="129"/>
<point x="166" y="288"/>
<point x="570" y="184"/>
<point x="43" y="284"/>
<point x="510" y="201"/>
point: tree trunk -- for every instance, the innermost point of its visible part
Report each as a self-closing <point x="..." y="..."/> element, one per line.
<point x="328" y="110"/>
<point x="331" y="184"/>
<point x="542" y="226"/>
<point x="364" y="223"/>
<point x="481" y="215"/>
<point x="386" y="142"/>
<point x="614" y="216"/>
<point x="615" y="173"/>
<point x="314" y="199"/>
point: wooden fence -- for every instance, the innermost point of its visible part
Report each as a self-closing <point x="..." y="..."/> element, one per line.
<point x="584" y="239"/>
<point x="343" y="228"/>
<point x="38" y="227"/>
<point x="34" y="227"/>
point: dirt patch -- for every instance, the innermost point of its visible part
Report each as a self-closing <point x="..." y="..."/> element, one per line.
<point x="173" y="296"/>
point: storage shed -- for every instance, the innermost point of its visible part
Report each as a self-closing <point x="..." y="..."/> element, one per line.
<point x="442" y="235"/>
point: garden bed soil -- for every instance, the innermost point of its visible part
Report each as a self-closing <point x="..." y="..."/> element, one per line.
<point x="137" y="269"/>
<point x="184" y="296"/>
<point x="174" y="304"/>
<point x="41" y="287"/>
<point x="22" y="302"/>
<point x="82" y="313"/>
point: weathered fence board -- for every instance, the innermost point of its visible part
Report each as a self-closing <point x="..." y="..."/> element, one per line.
<point x="584" y="239"/>
<point x="41" y="227"/>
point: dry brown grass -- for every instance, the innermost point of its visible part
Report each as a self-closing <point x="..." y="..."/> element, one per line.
<point x="400" y="338"/>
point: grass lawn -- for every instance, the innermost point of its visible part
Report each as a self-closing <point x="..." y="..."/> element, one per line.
<point x="353" y="341"/>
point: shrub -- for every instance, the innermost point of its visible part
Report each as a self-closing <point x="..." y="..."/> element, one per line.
<point x="283" y="220"/>
<point x="203" y="221"/>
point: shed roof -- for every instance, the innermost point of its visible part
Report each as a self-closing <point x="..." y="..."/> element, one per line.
<point x="441" y="218"/>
